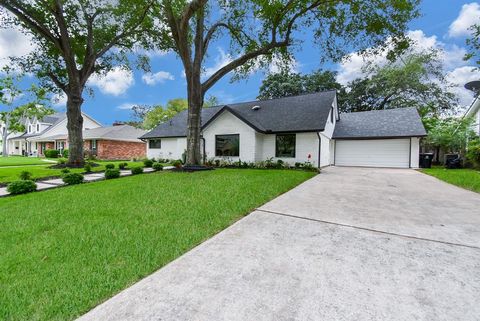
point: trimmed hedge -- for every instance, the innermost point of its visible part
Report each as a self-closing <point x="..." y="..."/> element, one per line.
<point x="65" y="153"/>
<point x="157" y="166"/>
<point x="51" y="153"/>
<point x="109" y="166"/>
<point x="112" y="173"/>
<point x="21" y="187"/>
<point x="137" y="170"/>
<point x="25" y="176"/>
<point x="148" y="163"/>
<point x="73" y="178"/>
<point x="122" y="165"/>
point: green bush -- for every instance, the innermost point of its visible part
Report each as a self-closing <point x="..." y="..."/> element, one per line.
<point x="122" y="165"/>
<point x="109" y="166"/>
<point x="473" y="153"/>
<point x="62" y="161"/>
<point x="148" y="163"/>
<point x="21" y="187"/>
<point x="65" y="153"/>
<point x="25" y="176"/>
<point x="65" y="171"/>
<point x="87" y="167"/>
<point x="73" y="178"/>
<point x="177" y="163"/>
<point x="157" y="166"/>
<point x="112" y="173"/>
<point x="51" y="153"/>
<point x="137" y="170"/>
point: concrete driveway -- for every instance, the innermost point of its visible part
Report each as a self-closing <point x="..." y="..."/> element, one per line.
<point x="349" y="244"/>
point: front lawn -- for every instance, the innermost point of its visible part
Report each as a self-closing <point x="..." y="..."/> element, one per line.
<point x="9" y="174"/>
<point x="20" y="160"/>
<point x="66" y="250"/>
<point x="466" y="178"/>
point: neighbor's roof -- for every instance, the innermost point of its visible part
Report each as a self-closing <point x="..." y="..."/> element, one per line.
<point x="302" y="113"/>
<point x="121" y="132"/>
<point x="389" y="123"/>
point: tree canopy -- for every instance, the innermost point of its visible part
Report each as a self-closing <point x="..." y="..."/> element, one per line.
<point x="415" y="80"/>
<point x="473" y="44"/>
<point x="73" y="39"/>
<point x="285" y="84"/>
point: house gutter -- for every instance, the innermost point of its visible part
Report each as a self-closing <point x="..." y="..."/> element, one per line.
<point x="319" y="148"/>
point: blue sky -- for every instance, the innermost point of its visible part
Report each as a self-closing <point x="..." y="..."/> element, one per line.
<point x="443" y="24"/>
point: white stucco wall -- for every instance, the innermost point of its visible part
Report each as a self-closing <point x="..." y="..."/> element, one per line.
<point x="228" y="124"/>
<point x="477" y="122"/>
<point x="171" y="148"/>
<point x="414" y="152"/>
<point x="305" y="144"/>
<point x="327" y="143"/>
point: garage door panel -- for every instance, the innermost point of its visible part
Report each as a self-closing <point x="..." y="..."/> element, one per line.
<point x="373" y="153"/>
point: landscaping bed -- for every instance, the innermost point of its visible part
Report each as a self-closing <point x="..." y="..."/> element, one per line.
<point x="63" y="251"/>
<point x="465" y="178"/>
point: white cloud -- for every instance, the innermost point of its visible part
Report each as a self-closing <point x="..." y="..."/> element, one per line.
<point x="126" y="106"/>
<point x="158" y="77"/>
<point x="460" y="76"/>
<point x="116" y="82"/>
<point x="469" y="15"/>
<point x="13" y="43"/>
<point x="221" y="60"/>
<point x="59" y="100"/>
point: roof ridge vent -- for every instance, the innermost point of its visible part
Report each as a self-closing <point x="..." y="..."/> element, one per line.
<point x="256" y="107"/>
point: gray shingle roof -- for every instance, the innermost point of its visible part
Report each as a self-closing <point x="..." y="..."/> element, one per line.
<point x="122" y="132"/>
<point x="401" y="122"/>
<point x="290" y="114"/>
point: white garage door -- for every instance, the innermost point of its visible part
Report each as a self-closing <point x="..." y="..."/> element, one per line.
<point x="373" y="153"/>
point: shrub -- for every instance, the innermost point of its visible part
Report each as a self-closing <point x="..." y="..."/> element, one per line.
<point x="65" y="171"/>
<point x="137" y="170"/>
<point x="217" y="162"/>
<point x="177" y="163"/>
<point x="308" y="167"/>
<point x="109" y="166"/>
<point x="112" y="173"/>
<point x="298" y="165"/>
<point x="62" y="161"/>
<point x="73" y="178"/>
<point x="25" y="176"/>
<point x="122" y="165"/>
<point x="65" y="153"/>
<point x="148" y="163"/>
<point x="473" y="153"/>
<point x="87" y="167"/>
<point x="51" y="153"/>
<point x="157" y="166"/>
<point x="21" y="187"/>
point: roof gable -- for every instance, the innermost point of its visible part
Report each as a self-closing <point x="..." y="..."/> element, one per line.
<point x="302" y="113"/>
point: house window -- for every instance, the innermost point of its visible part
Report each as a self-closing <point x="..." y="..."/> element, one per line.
<point x="227" y="145"/>
<point x="29" y="128"/>
<point x="93" y="145"/>
<point x="155" y="143"/>
<point x="331" y="115"/>
<point x="38" y="127"/>
<point x="285" y="145"/>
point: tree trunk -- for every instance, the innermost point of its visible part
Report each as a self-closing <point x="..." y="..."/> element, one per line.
<point x="75" y="127"/>
<point x="195" y="103"/>
<point x="4" y="137"/>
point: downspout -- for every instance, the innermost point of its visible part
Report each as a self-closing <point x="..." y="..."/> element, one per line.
<point x="204" y="153"/>
<point x="319" y="148"/>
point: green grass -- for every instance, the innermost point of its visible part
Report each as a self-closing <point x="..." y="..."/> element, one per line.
<point x="19" y="160"/>
<point x="9" y="174"/>
<point x="66" y="250"/>
<point x="466" y="178"/>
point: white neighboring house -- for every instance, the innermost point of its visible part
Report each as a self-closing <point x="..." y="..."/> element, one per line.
<point x="474" y="111"/>
<point x="47" y="133"/>
<point x="305" y="128"/>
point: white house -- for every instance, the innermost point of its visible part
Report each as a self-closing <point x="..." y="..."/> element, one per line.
<point x="474" y="111"/>
<point x="47" y="133"/>
<point x="305" y="128"/>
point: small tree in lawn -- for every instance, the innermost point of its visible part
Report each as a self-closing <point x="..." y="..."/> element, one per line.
<point x="261" y="31"/>
<point x="73" y="39"/>
<point x="19" y="104"/>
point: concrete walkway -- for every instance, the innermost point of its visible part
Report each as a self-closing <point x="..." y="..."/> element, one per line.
<point x="349" y="244"/>
<point x="58" y="182"/>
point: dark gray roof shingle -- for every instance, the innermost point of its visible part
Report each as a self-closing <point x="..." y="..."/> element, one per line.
<point x="401" y="122"/>
<point x="290" y="114"/>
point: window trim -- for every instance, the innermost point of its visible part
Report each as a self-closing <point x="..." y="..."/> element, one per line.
<point x="38" y="127"/>
<point x="216" y="137"/>
<point x="151" y="140"/>
<point x="294" y="146"/>
<point x="93" y="145"/>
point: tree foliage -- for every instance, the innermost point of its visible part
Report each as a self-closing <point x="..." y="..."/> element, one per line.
<point x="284" y="84"/>
<point x="260" y="31"/>
<point x="473" y="44"/>
<point x="73" y="39"/>
<point x="452" y="134"/>
<point x="19" y="104"/>
<point x="415" y="80"/>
